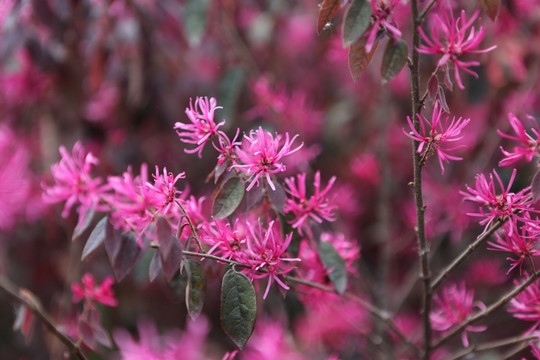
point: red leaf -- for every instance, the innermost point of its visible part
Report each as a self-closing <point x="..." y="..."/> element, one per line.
<point x="358" y="57"/>
<point x="491" y="7"/>
<point x="326" y="13"/>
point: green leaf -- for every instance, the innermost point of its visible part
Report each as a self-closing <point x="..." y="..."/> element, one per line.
<point x="194" y="16"/>
<point x="335" y="265"/>
<point x="227" y="197"/>
<point x="359" y="58"/>
<point x="238" y="307"/>
<point x="394" y="59"/>
<point x="97" y="237"/>
<point x="357" y="20"/>
<point x="195" y="288"/>
<point x="491" y="7"/>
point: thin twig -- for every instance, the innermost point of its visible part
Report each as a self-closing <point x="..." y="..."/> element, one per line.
<point x="191" y="227"/>
<point x="24" y="297"/>
<point x="492" y="345"/>
<point x="482" y="314"/>
<point x="425" y="11"/>
<point x="418" y="196"/>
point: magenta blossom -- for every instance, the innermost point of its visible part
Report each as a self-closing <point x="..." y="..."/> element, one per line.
<point x="496" y="206"/>
<point x="453" y="307"/>
<point x="226" y="148"/>
<point x="90" y="291"/>
<point x="526" y="305"/>
<point x="436" y="139"/>
<point x="74" y="184"/>
<point x="225" y="241"/>
<point x="202" y="126"/>
<point x="316" y="207"/>
<point x="450" y="39"/>
<point x="528" y="146"/>
<point x="382" y="11"/>
<point x="163" y="190"/>
<point x="266" y="251"/>
<point x="261" y="155"/>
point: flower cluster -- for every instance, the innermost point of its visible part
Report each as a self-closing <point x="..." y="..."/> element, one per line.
<point x="528" y="146"/>
<point x="526" y="306"/>
<point x="437" y="138"/>
<point x="454" y="305"/>
<point x="450" y="39"/>
<point x="383" y="21"/>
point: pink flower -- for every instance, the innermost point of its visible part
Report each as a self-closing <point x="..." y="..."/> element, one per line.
<point x="74" y="184"/>
<point x="266" y="250"/>
<point x="225" y="241"/>
<point x="454" y="306"/>
<point x="436" y="139"/>
<point x="89" y="291"/>
<point x="528" y="146"/>
<point x="202" y="126"/>
<point x="227" y="148"/>
<point x="526" y="305"/>
<point x="495" y="206"/>
<point x="521" y="245"/>
<point x="269" y="342"/>
<point x="450" y="39"/>
<point x="163" y="191"/>
<point x="316" y="207"/>
<point x="382" y="11"/>
<point x="261" y="155"/>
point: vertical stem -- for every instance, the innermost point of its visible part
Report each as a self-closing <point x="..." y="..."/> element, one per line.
<point x="418" y="197"/>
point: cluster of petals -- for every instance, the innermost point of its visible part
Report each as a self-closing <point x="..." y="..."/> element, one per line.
<point x="225" y="240"/>
<point x="528" y="146"/>
<point x="454" y="305"/>
<point x="316" y="207"/>
<point x="227" y="148"/>
<point x="163" y="190"/>
<point x="439" y="135"/>
<point x="526" y="305"/>
<point x="522" y="244"/>
<point x="202" y="127"/>
<point x="265" y="252"/>
<point x="452" y="38"/>
<point x="73" y="182"/>
<point x="381" y="14"/>
<point x="89" y="291"/>
<point x="261" y="155"/>
<point x="497" y="206"/>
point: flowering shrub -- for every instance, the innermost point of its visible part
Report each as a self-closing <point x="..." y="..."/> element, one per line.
<point x="253" y="180"/>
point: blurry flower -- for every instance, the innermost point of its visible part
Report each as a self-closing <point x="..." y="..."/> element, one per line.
<point x="102" y="104"/>
<point x="453" y="307"/>
<point x="90" y="291"/>
<point x="496" y="206"/>
<point x="202" y="126"/>
<point x="74" y="184"/>
<point x="438" y="136"/>
<point x="450" y="39"/>
<point x="316" y="207"/>
<point x="526" y="305"/>
<point x="270" y="341"/>
<point x="266" y="250"/>
<point x="226" y="148"/>
<point x="261" y="155"/>
<point x="528" y="145"/>
<point x="382" y="12"/>
<point x="367" y="168"/>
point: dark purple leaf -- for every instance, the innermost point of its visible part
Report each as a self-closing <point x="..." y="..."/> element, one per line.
<point x="442" y="99"/>
<point x="82" y="227"/>
<point x="227" y="197"/>
<point x="358" y="57"/>
<point x="254" y="197"/>
<point x="394" y="59"/>
<point x="122" y="249"/>
<point x="327" y="11"/>
<point x="155" y="266"/>
<point x="164" y="234"/>
<point x="277" y="197"/>
<point x="170" y="261"/>
<point x="219" y="170"/>
<point x="491" y="7"/>
<point x="97" y="237"/>
<point x="535" y="187"/>
<point x="238" y="308"/>
<point x="433" y="87"/>
<point x="356" y="22"/>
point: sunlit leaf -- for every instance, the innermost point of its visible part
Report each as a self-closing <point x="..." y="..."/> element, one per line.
<point x="356" y="22"/>
<point x="394" y="59"/>
<point x="238" y="307"/>
<point x="227" y="197"/>
<point x="335" y="265"/>
<point x="97" y="237"/>
<point x="327" y="11"/>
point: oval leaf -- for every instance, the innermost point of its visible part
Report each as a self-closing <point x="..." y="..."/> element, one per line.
<point x="122" y="249"/>
<point x="171" y="260"/>
<point x="357" y="20"/>
<point x="394" y="59"/>
<point x="358" y="57"/>
<point x="238" y="307"/>
<point x="278" y="197"/>
<point x="155" y="267"/>
<point x="83" y="226"/>
<point x="491" y="7"/>
<point x="97" y="236"/>
<point x="335" y="265"/>
<point x="195" y="289"/>
<point x="327" y="11"/>
<point x="433" y="87"/>
<point x="227" y="197"/>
